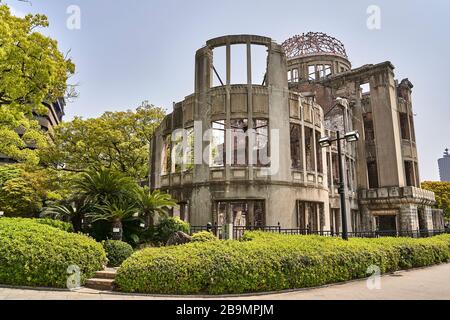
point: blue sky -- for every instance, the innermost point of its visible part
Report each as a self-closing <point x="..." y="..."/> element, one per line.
<point x="127" y="51"/>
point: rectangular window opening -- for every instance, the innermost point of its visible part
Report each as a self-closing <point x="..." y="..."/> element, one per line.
<point x="220" y="65"/>
<point x="259" y="64"/>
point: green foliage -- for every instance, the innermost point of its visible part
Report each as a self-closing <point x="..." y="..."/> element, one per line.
<point x="64" y="226"/>
<point x="442" y="192"/>
<point x="104" y="185"/>
<point x="169" y="225"/>
<point x="203" y="236"/>
<point x="32" y="70"/>
<point x="117" y="252"/>
<point x="268" y="262"/>
<point x="116" y="140"/>
<point x="154" y="202"/>
<point x="35" y="254"/>
<point x="71" y="211"/>
<point x="25" y="189"/>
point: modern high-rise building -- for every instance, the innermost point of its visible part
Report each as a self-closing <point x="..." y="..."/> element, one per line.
<point x="287" y="109"/>
<point x="47" y="122"/>
<point x="444" y="167"/>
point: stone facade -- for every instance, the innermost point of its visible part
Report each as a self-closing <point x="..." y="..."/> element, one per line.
<point x="381" y="170"/>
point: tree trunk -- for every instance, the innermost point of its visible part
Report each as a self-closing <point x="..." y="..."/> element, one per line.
<point x="117" y="230"/>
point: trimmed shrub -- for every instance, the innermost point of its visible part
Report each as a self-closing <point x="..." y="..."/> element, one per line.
<point x="35" y="254"/>
<point x="203" y="236"/>
<point x="117" y="252"/>
<point x="270" y="262"/>
<point x="168" y="226"/>
<point x="64" y="226"/>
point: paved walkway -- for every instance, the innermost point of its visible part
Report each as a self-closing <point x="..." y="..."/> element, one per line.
<point x="428" y="283"/>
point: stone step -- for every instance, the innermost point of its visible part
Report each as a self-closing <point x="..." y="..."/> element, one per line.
<point x="106" y="274"/>
<point x="100" y="284"/>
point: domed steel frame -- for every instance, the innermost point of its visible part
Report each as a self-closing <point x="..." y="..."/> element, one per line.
<point x="313" y="43"/>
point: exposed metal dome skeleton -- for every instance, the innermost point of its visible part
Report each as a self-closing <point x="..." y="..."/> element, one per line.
<point x="313" y="43"/>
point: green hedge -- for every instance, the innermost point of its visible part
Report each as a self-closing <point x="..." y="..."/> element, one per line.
<point x="117" y="252"/>
<point x="64" y="226"/>
<point x="35" y="254"/>
<point x="270" y="262"/>
<point x="203" y="236"/>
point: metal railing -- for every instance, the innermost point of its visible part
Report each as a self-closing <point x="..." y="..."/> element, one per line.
<point x="238" y="232"/>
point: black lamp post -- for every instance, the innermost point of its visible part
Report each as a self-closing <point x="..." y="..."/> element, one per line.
<point x="326" y="142"/>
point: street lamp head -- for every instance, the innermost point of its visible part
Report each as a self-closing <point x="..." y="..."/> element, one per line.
<point x="325" y="142"/>
<point x="352" y="136"/>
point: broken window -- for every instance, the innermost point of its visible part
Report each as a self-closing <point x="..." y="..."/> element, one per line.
<point x="404" y="126"/>
<point x="312" y="72"/>
<point x="219" y="77"/>
<point x="335" y="164"/>
<point x="372" y="173"/>
<point x="218" y="144"/>
<point x="177" y="151"/>
<point x="369" y="134"/>
<point x="409" y="174"/>
<point x="238" y="64"/>
<point x="295" y="75"/>
<point x="239" y="142"/>
<point x="327" y="70"/>
<point x="189" y="149"/>
<point x="259" y="64"/>
<point x="321" y="71"/>
<point x="413" y="133"/>
<point x="365" y="88"/>
<point x="309" y="149"/>
<point x="241" y="212"/>
<point x="328" y="169"/>
<point x="296" y="146"/>
<point x="261" y="127"/>
<point x="165" y="156"/>
<point x="289" y="75"/>
<point x="310" y="216"/>
<point x="319" y="154"/>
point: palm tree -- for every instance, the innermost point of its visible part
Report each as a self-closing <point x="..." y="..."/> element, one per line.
<point x="115" y="212"/>
<point x="73" y="212"/>
<point x="153" y="202"/>
<point x="105" y="185"/>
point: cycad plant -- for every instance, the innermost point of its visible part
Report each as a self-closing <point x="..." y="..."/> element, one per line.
<point x="151" y="203"/>
<point x="105" y="185"/>
<point x="74" y="212"/>
<point x="116" y="212"/>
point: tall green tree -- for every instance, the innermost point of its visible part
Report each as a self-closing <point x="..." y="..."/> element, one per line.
<point x="32" y="70"/>
<point x="24" y="190"/>
<point x="115" y="140"/>
<point x="442" y="192"/>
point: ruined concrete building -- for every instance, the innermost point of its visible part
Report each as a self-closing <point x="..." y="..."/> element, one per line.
<point x="301" y="81"/>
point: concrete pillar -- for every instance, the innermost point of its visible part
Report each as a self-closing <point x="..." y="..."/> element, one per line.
<point x="367" y="219"/>
<point x="409" y="218"/>
<point x="386" y="126"/>
<point x="251" y="213"/>
<point x="427" y="216"/>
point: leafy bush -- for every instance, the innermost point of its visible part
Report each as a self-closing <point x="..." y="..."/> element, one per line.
<point x="35" y="254"/>
<point x="168" y="226"/>
<point x="117" y="251"/>
<point x="269" y="262"/>
<point x="64" y="226"/>
<point x="203" y="236"/>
